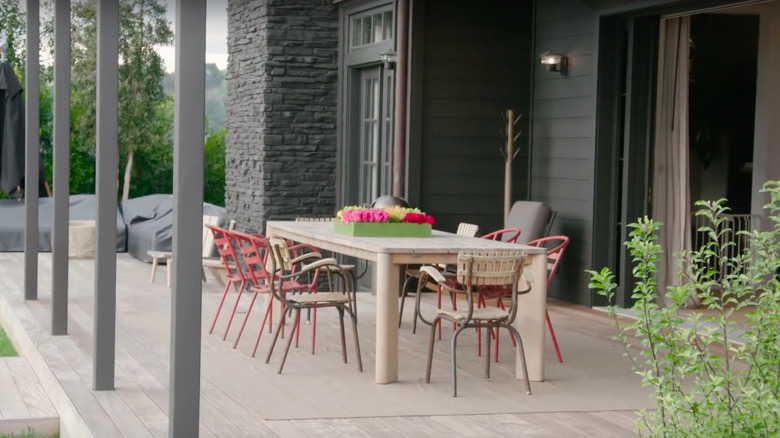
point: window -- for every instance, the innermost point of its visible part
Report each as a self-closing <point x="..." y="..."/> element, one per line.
<point x="372" y="28"/>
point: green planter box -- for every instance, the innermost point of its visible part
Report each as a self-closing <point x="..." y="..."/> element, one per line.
<point x="382" y="229"/>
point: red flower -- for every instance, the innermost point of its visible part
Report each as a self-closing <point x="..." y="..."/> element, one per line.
<point x="417" y="218"/>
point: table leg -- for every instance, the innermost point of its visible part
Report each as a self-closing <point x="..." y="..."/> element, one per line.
<point x="276" y="312"/>
<point x="387" y="289"/>
<point x="530" y="320"/>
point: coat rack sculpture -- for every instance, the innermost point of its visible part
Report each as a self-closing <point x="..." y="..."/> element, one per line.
<point x="509" y="153"/>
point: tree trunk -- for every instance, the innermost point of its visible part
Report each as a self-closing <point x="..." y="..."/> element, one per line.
<point x="128" y="171"/>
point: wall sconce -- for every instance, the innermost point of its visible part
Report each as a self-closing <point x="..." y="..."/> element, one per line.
<point x="554" y="62"/>
<point x="389" y="59"/>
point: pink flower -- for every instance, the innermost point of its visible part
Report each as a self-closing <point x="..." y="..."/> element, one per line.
<point x="364" y="215"/>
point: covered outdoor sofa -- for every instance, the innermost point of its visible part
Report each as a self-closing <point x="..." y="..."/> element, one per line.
<point x="143" y="224"/>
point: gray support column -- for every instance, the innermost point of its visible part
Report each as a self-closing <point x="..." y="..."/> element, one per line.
<point x="401" y="98"/>
<point x="106" y="191"/>
<point x="61" y="104"/>
<point x="189" y="108"/>
<point x="32" y="110"/>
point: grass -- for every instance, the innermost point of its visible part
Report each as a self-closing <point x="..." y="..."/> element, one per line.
<point x="6" y="347"/>
<point x="31" y="435"/>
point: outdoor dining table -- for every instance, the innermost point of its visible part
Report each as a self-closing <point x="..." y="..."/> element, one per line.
<point x="390" y="253"/>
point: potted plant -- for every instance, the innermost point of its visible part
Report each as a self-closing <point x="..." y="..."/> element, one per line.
<point x="383" y="222"/>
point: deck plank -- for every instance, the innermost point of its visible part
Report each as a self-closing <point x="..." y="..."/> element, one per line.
<point x="12" y="403"/>
<point x="35" y="398"/>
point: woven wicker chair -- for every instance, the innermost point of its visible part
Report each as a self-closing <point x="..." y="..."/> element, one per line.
<point x="281" y="263"/>
<point x="413" y="273"/>
<point x="478" y="269"/>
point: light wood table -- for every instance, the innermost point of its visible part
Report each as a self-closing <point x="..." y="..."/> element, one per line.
<point x="390" y="253"/>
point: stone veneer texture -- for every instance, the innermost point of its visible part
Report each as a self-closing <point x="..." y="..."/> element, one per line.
<point x="281" y="110"/>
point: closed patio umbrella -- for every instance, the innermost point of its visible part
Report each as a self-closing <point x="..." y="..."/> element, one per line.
<point x="11" y="131"/>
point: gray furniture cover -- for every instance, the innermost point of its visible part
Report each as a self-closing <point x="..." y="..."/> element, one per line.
<point x="531" y="217"/>
<point x="12" y="219"/>
<point x="149" y="221"/>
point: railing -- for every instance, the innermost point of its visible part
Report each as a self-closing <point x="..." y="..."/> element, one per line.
<point x="736" y="224"/>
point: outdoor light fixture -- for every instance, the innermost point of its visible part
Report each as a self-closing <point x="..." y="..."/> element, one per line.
<point x="389" y="58"/>
<point x="554" y="62"/>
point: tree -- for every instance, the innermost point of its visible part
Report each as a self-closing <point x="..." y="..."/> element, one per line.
<point x="708" y="378"/>
<point x="142" y="101"/>
<point x="214" y="167"/>
<point x="12" y="27"/>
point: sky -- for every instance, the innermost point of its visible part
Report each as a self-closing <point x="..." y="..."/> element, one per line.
<point x="216" y="34"/>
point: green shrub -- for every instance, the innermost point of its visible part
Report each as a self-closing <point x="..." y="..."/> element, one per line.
<point x="704" y="384"/>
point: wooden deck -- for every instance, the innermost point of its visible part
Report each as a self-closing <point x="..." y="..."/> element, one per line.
<point x="593" y="393"/>
<point x="24" y="404"/>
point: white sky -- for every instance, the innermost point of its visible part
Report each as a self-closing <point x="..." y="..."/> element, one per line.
<point x="216" y="34"/>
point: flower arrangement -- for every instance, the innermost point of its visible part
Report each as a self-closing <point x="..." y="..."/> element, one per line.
<point x="388" y="214"/>
<point x="383" y="222"/>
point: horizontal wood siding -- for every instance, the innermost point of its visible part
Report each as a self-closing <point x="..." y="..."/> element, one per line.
<point x="564" y="126"/>
<point x="477" y="63"/>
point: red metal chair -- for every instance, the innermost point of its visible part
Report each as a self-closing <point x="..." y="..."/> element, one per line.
<point x="509" y="235"/>
<point x="254" y="253"/>
<point x="555" y="245"/>
<point x="234" y="273"/>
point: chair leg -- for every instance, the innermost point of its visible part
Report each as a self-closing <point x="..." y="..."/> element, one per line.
<point x="403" y="300"/>
<point x="438" y="306"/>
<point x="289" y="341"/>
<point x="235" y="307"/>
<point x="436" y="321"/>
<point x="279" y="328"/>
<point x="500" y="305"/>
<point x="267" y="319"/>
<point x="219" y="307"/>
<point x="313" y="328"/>
<point x="246" y="318"/>
<point x="168" y="269"/>
<point x="488" y="334"/>
<point x="343" y="338"/>
<point x="353" y="317"/>
<point x="552" y="336"/>
<point x="351" y="291"/>
<point x="519" y="341"/>
<point x="453" y="361"/>
<point x="418" y="313"/>
<point x="155" y="261"/>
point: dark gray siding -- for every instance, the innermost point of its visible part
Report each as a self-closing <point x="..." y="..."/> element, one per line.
<point x="564" y="128"/>
<point x="476" y="64"/>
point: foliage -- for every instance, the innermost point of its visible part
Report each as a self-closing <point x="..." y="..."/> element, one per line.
<point x="13" y="27"/>
<point x="30" y="434"/>
<point x="216" y="93"/>
<point x="145" y="109"/>
<point x="6" y="347"/>
<point x="214" y="168"/>
<point x="143" y="124"/>
<point x="705" y="385"/>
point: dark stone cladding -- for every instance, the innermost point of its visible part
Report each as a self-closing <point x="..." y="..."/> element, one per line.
<point x="280" y="152"/>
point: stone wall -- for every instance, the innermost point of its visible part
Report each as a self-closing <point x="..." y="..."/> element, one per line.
<point x="281" y="110"/>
